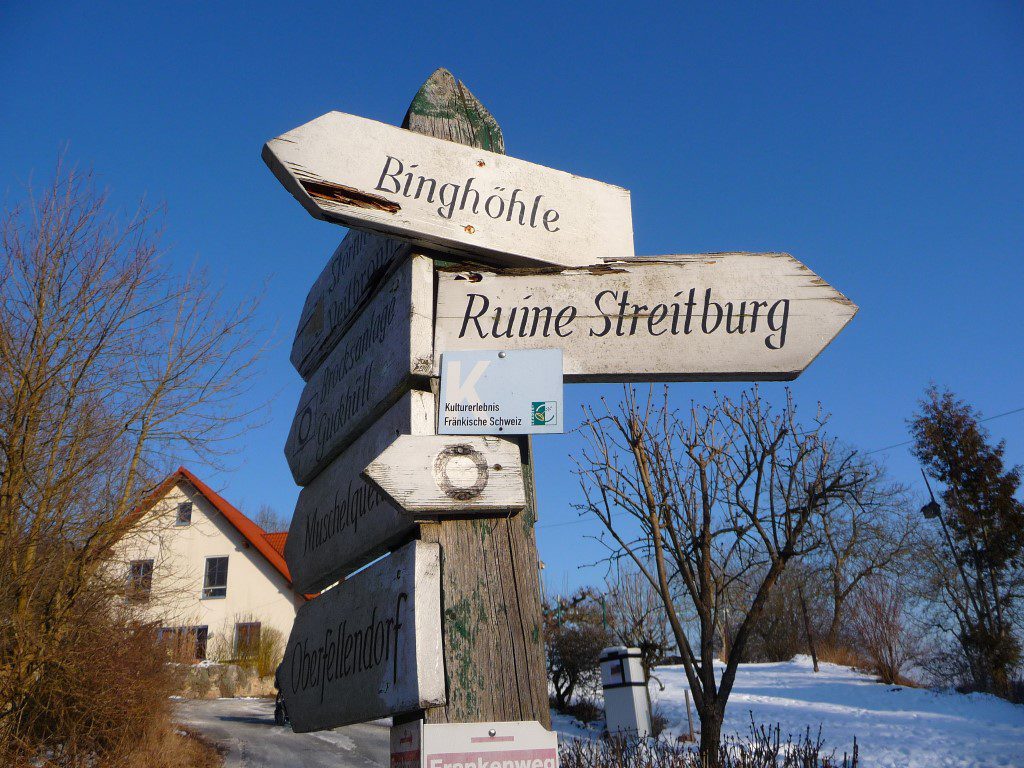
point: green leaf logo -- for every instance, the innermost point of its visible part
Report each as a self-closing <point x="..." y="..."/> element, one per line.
<point x="544" y="412"/>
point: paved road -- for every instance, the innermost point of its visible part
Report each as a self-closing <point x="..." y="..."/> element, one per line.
<point x="246" y="728"/>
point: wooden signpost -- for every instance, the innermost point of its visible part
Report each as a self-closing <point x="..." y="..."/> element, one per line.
<point x="442" y="475"/>
<point x="356" y="268"/>
<point x="707" y="317"/>
<point x="447" y="628"/>
<point x="442" y="195"/>
<point x="370" y="647"/>
<point x="341" y="521"/>
<point x="365" y="340"/>
<point x="378" y="358"/>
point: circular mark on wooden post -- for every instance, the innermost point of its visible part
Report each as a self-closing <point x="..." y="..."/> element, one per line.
<point x="448" y="462"/>
<point x="305" y="425"/>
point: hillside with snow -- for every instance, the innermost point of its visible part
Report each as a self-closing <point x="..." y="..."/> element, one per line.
<point x="895" y="727"/>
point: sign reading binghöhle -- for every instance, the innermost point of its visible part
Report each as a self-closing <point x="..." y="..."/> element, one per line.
<point x="442" y="195"/>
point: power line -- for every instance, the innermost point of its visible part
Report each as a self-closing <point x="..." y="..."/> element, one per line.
<point x="908" y="442"/>
<point x="866" y="453"/>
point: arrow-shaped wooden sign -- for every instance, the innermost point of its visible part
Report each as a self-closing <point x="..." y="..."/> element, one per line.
<point x="356" y="268"/>
<point x="386" y="348"/>
<point x="369" y="647"/>
<point x="341" y="521"/>
<point x="442" y="195"/>
<point x="441" y="475"/>
<point x="707" y="317"/>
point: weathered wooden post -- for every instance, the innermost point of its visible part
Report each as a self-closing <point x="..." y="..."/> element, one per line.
<point x="493" y="624"/>
<point x="365" y="347"/>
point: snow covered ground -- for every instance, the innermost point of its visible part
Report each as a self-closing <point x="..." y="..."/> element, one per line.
<point x="895" y="727"/>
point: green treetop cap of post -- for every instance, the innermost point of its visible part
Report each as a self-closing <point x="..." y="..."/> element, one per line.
<point x="445" y="108"/>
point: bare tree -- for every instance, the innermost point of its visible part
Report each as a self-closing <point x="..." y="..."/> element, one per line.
<point x="270" y="520"/>
<point x="636" y="616"/>
<point x="863" y="534"/>
<point x="574" y="636"/>
<point x="723" y="495"/>
<point x="110" y="366"/>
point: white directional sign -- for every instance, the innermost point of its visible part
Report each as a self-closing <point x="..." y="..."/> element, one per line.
<point x="369" y="647"/>
<point x="341" y="521"/>
<point x="501" y="392"/>
<point x="439" y="475"/>
<point x="377" y="359"/>
<point x="486" y="745"/>
<point x="439" y="194"/>
<point x="337" y="296"/>
<point x="706" y="317"/>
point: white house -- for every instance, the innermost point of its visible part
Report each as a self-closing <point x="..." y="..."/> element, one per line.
<point x="206" y="572"/>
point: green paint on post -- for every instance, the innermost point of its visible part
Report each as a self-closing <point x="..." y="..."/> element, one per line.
<point x="462" y="625"/>
<point x="447" y="100"/>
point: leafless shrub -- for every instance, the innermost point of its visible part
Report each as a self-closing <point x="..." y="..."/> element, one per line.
<point x="762" y="748"/>
<point x="884" y="629"/>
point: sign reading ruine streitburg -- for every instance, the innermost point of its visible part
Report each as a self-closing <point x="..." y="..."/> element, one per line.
<point x="334" y="301"/>
<point x="377" y="359"/>
<point x="439" y="194"/>
<point x="341" y="521"/>
<point x="369" y="647"/>
<point x="705" y="317"/>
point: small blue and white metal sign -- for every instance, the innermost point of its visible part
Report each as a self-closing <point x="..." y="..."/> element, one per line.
<point x="501" y="392"/>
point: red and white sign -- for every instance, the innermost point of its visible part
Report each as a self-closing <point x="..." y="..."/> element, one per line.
<point x="488" y="745"/>
<point x="405" y="745"/>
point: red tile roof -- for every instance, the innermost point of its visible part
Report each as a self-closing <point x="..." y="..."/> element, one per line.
<point x="277" y="540"/>
<point x="270" y="545"/>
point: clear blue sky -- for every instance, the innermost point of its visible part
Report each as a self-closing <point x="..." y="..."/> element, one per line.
<point x="880" y="143"/>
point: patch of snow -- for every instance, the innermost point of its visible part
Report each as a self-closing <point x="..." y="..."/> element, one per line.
<point x="569" y="727"/>
<point x="334" y="738"/>
<point x="895" y="726"/>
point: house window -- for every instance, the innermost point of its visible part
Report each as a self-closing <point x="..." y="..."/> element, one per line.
<point x="247" y="639"/>
<point x="215" y="584"/>
<point x="201" y="635"/>
<point x="140" y="579"/>
<point x="184" y="642"/>
<point x="184" y="513"/>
